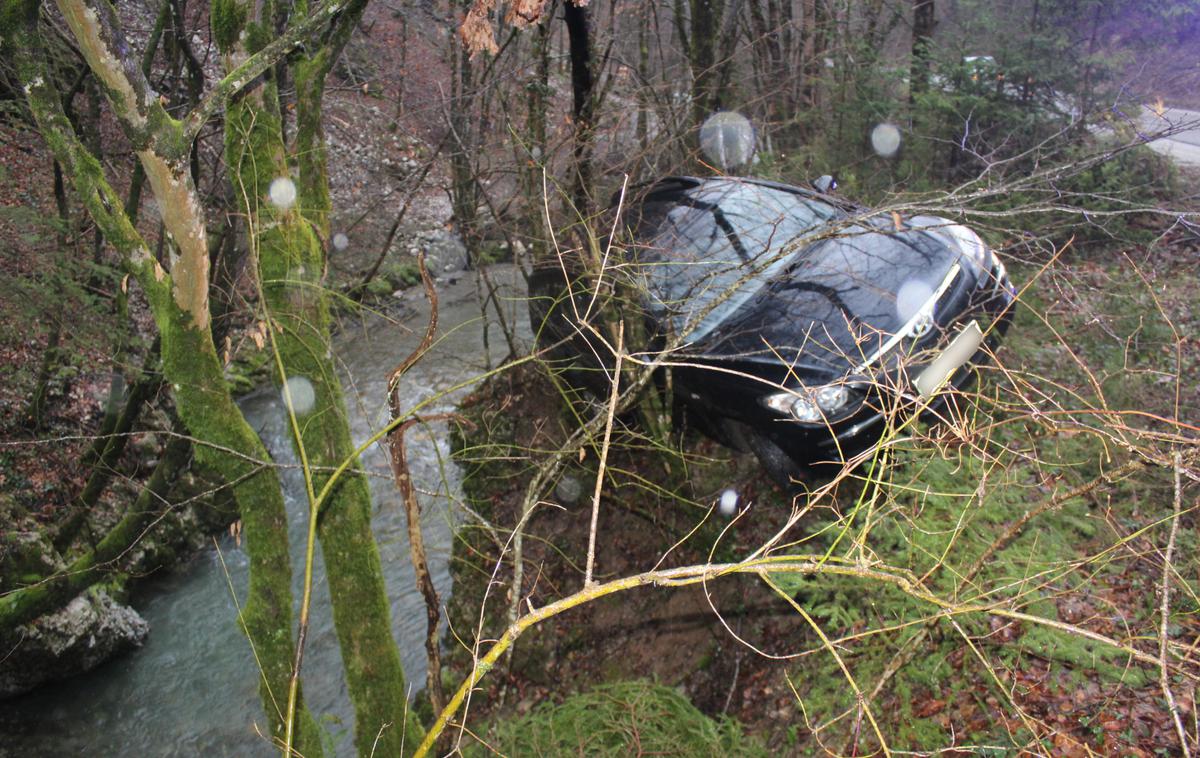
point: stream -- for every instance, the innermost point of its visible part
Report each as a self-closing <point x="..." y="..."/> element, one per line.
<point x="192" y="690"/>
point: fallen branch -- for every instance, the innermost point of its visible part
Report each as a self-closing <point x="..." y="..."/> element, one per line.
<point x="806" y="565"/>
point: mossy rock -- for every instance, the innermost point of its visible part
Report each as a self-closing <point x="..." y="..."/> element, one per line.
<point x="401" y="274"/>
<point x="26" y="554"/>
<point x="250" y="368"/>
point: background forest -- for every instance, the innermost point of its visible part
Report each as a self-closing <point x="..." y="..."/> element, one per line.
<point x="327" y="210"/>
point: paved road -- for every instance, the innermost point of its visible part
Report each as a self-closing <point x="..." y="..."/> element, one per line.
<point x="1183" y="146"/>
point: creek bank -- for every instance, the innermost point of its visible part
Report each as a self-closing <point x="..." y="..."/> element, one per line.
<point x="679" y="637"/>
<point x="98" y="624"/>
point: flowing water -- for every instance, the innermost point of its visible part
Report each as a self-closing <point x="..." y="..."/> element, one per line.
<point x="191" y="690"/>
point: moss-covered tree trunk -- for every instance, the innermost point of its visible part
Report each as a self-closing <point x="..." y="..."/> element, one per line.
<point x="179" y="301"/>
<point x="290" y="243"/>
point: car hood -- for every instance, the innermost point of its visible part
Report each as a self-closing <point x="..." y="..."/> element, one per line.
<point x="832" y="304"/>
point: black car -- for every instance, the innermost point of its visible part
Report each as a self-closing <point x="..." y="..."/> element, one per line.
<point x="793" y="323"/>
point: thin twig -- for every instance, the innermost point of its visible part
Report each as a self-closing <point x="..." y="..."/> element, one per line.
<point x="608" y="425"/>
<point x="426" y="341"/>
<point x="416" y="552"/>
<point x="1165" y="613"/>
<point x="863" y="705"/>
<point x="400" y="472"/>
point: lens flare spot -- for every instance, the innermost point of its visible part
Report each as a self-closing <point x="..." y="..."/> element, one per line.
<point x="728" y="504"/>
<point x="885" y="140"/>
<point x="283" y="193"/>
<point x="301" y="393"/>
<point x="913" y="296"/>
<point x="569" y="489"/>
<point x="727" y="139"/>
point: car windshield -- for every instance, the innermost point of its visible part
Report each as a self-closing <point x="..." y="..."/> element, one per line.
<point x="839" y="300"/>
<point x="757" y="271"/>
<point x="707" y="248"/>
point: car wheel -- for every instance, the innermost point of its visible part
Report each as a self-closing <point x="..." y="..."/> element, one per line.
<point x="779" y="465"/>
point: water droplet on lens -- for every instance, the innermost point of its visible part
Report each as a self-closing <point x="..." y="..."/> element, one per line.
<point x="340" y="242"/>
<point x="885" y="140"/>
<point x="727" y="139"/>
<point x="911" y="298"/>
<point x="302" y="394"/>
<point x="569" y="489"/>
<point x="729" y="502"/>
<point x="283" y="193"/>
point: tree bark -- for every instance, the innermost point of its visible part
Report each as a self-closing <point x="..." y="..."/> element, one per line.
<point x="706" y="18"/>
<point x="537" y="90"/>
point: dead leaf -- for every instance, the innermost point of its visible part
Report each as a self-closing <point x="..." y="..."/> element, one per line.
<point x="899" y="222"/>
<point x="522" y="13"/>
<point x="1067" y="747"/>
<point x="476" y="30"/>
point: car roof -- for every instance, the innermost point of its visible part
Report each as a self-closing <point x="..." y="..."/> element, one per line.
<point x="681" y="183"/>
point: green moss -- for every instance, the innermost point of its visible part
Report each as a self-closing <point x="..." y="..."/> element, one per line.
<point x="168" y="135"/>
<point x="1081" y="657"/>
<point x="15" y="17"/>
<point x="311" y="152"/>
<point x="228" y="19"/>
<point x="258" y="36"/>
<point x="190" y="363"/>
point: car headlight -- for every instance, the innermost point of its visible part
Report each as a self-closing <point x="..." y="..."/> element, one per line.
<point x="811" y="405"/>
<point x="965" y="240"/>
<point x="969" y="243"/>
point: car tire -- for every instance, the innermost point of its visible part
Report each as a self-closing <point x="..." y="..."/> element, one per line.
<point x="779" y="465"/>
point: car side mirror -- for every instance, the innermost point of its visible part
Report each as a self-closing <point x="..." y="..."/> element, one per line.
<point x="825" y="184"/>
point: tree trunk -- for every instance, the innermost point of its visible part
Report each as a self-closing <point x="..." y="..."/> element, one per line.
<point x="579" y="34"/>
<point x="924" y="20"/>
<point x="291" y="258"/>
<point x="537" y="91"/>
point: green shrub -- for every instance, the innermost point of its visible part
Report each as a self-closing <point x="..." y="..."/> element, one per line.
<point x="621" y="719"/>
